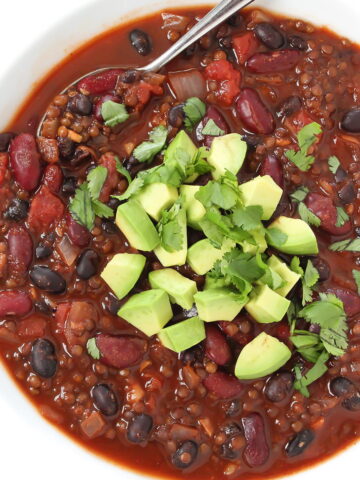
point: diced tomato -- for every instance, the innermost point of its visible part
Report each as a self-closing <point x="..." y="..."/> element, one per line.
<point x="4" y="162"/>
<point x="144" y="90"/>
<point x="244" y="45"/>
<point x="53" y="177"/>
<point x="228" y="80"/>
<point x="298" y="121"/>
<point x="46" y="209"/>
<point x="33" y="327"/>
<point x="108" y="161"/>
<point x="61" y="314"/>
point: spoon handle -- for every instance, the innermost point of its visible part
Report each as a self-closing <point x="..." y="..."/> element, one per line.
<point x="217" y="15"/>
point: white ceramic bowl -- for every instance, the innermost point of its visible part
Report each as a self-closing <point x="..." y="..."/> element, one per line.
<point x="45" y="453"/>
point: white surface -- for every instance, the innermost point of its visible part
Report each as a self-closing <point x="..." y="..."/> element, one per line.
<point x="44" y="453"/>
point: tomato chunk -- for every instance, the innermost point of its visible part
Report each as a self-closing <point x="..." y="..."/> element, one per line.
<point x="108" y="161"/>
<point x="45" y="210"/>
<point x="228" y="80"/>
<point x="244" y="46"/>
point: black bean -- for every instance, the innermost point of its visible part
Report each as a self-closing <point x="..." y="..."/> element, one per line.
<point x="5" y="139"/>
<point x="176" y="116"/>
<point x="105" y="399"/>
<point x="82" y="155"/>
<point x="269" y="35"/>
<point x="227" y="451"/>
<point x="113" y="203"/>
<point x="252" y="141"/>
<point x="185" y="455"/>
<point x="322" y="267"/>
<point x="340" y="174"/>
<point x="139" y="428"/>
<point x="298" y="43"/>
<point x="88" y="264"/>
<point x="192" y="355"/>
<point x="47" y="279"/>
<point x="279" y="386"/>
<point x="17" y="210"/>
<point x="235" y="20"/>
<point x="299" y="443"/>
<point x="43" y="251"/>
<point x="43" y="358"/>
<point x="43" y="306"/>
<point x="129" y="76"/>
<point x="109" y="227"/>
<point x="66" y="147"/>
<point x="351" y="121"/>
<point x="80" y="104"/>
<point x="140" y="40"/>
<point x="347" y="193"/>
<point x="233" y="408"/>
<point x="69" y="186"/>
<point x="341" y="386"/>
<point x="231" y="429"/>
<point x="113" y="304"/>
<point x="289" y="106"/>
<point x="352" y="403"/>
<point x="189" y="52"/>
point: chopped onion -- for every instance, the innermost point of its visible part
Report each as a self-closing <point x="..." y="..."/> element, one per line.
<point x="187" y="84"/>
<point x="174" y="22"/>
<point x="67" y="251"/>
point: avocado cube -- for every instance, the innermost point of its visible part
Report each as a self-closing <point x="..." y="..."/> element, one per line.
<point x="260" y="243"/>
<point x="267" y="306"/>
<point x="156" y="197"/>
<point x="148" y="311"/>
<point x="300" y="240"/>
<point x="264" y="192"/>
<point x="218" y="304"/>
<point x="202" y="255"/>
<point x="261" y="357"/>
<point x="227" y="153"/>
<point x="211" y="283"/>
<point x="181" y="142"/>
<point x="289" y="277"/>
<point x="137" y="227"/>
<point x="122" y="272"/>
<point x="180" y="289"/>
<point x="183" y="335"/>
<point x="178" y="257"/>
<point x="195" y="210"/>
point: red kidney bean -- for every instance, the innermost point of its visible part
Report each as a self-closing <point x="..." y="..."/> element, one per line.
<point x="216" y="346"/>
<point x="351" y="121"/>
<point x="99" y="83"/>
<point x="20" y="249"/>
<point x="99" y="104"/>
<point x="256" y="451"/>
<point x="324" y="208"/>
<point x="119" y="352"/>
<point x="14" y="302"/>
<point x="350" y="300"/>
<point x="53" y="178"/>
<point x="212" y="113"/>
<point x="223" y="385"/>
<point x="273" y="62"/>
<point x="25" y="161"/>
<point x="78" y="234"/>
<point x="253" y="113"/>
<point x="273" y="167"/>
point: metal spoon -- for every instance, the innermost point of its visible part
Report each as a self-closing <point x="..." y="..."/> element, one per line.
<point x="217" y="15"/>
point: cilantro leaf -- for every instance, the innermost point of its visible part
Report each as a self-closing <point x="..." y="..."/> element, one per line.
<point x="275" y="237"/>
<point x="272" y="279"/>
<point x="101" y="209"/>
<point x="334" y="164"/>
<point x="81" y="207"/>
<point x="113" y="113"/>
<point x="146" y="151"/>
<point x="349" y="245"/>
<point x="295" y="266"/>
<point x="92" y="348"/>
<point x="356" y="275"/>
<point x="170" y="229"/>
<point x="194" y="110"/>
<point x="306" y="138"/>
<point x="212" y="129"/>
<point x="96" y="179"/>
<point x="316" y="372"/>
<point x="335" y="340"/>
<point x="122" y="170"/>
<point x="218" y="193"/>
<point x="308" y="216"/>
<point x="342" y="217"/>
<point x="326" y="312"/>
<point x="310" y="278"/>
<point x="249" y="218"/>
<point x="212" y="232"/>
<point x="300" y="194"/>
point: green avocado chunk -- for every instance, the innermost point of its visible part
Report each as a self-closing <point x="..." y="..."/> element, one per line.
<point x="148" y="311"/>
<point x="260" y="243"/>
<point x="202" y="255"/>
<point x="122" y="272"/>
<point x="261" y="357"/>
<point x="289" y="277"/>
<point x="195" y="210"/>
<point x="218" y="304"/>
<point x="178" y="257"/>
<point x="267" y="306"/>
<point x="263" y="192"/>
<point x="211" y="283"/>
<point x="300" y="240"/>
<point x="227" y="153"/>
<point x="183" y="335"/>
<point x="180" y="289"/>
<point x="156" y="197"/>
<point x="181" y="142"/>
<point x="137" y="227"/>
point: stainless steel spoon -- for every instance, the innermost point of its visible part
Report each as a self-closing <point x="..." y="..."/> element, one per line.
<point x="217" y="15"/>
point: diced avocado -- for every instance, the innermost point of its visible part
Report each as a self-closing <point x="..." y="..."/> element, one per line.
<point x="217" y="304"/>
<point x="178" y="257"/>
<point x="137" y="227"/>
<point x="289" y="277"/>
<point x="301" y="239"/>
<point x="211" y="283"/>
<point x="183" y="142"/>
<point x="122" y="272"/>
<point x="262" y="356"/>
<point x="180" y="289"/>
<point x="264" y="192"/>
<point x="267" y="306"/>
<point x="227" y="153"/>
<point x="183" y="335"/>
<point x="148" y="311"/>
<point x="202" y="255"/>
<point x="157" y="197"/>
<point x="195" y="210"/>
<point x="260" y="243"/>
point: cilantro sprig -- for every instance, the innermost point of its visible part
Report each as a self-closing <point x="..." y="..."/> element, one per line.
<point x="146" y="151"/>
<point x="194" y="110"/>
<point x="334" y="164"/>
<point x="113" y="113"/>
<point x="212" y="129"/>
<point x="169" y="228"/>
<point x="348" y="245"/>
<point x="306" y="138"/>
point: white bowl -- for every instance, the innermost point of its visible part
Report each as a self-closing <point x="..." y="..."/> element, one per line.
<point x="44" y="452"/>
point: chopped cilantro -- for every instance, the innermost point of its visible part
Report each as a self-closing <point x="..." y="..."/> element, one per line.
<point x="96" y="179"/>
<point x="92" y="348"/>
<point x="317" y="371"/>
<point x="300" y="194"/>
<point x="169" y="228"/>
<point x="308" y="216"/>
<point x="113" y="113"/>
<point x="194" y="110"/>
<point x="334" y="164"/>
<point x="275" y="236"/>
<point x="349" y="245"/>
<point x="356" y="275"/>
<point x="122" y="170"/>
<point x="342" y="217"/>
<point x="146" y="151"/>
<point x="249" y="218"/>
<point x="306" y="138"/>
<point x="212" y="129"/>
<point x="309" y="280"/>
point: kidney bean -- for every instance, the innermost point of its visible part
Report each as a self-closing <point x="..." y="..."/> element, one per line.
<point x="139" y="428"/>
<point x="69" y="185"/>
<point x="298" y="43"/>
<point x="273" y="167"/>
<point x="105" y="399"/>
<point x="14" y="302"/>
<point x="43" y="358"/>
<point x="140" y="40"/>
<point x="256" y="451"/>
<point x="273" y="62"/>
<point x="176" y="115"/>
<point x="17" y="210"/>
<point x="5" y="139"/>
<point x="324" y="208"/>
<point x="341" y="386"/>
<point x="25" y="161"/>
<point x="99" y="104"/>
<point x="49" y="149"/>
<point x="66" y="147"/>
<point x="269" y="35"/>
<point x="100" y="82"/>
<point x="253" y="113"/>
<point x="46" y="279"/>
<point x="299" y="443"/>
<point x="322" y="267"/>
<point x="53" y="177"/>
<point x="347" y="193"/>
<point x="279" y="386"/>
<point x="88" y="264"/>
<point x="223" y="385"/>
<point x="289" y="106"/>
<point x="353" y="403"/>
<point x="351" y="121"/>
<point x="350" y="300"/>
<point x="185" y="455"/>
<point x="212" y="113"/>
<point x="119" y="351"/>
<point x="216" y="346"/>
<point x="20" y="249"/>
<point x="78" y="234"/>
